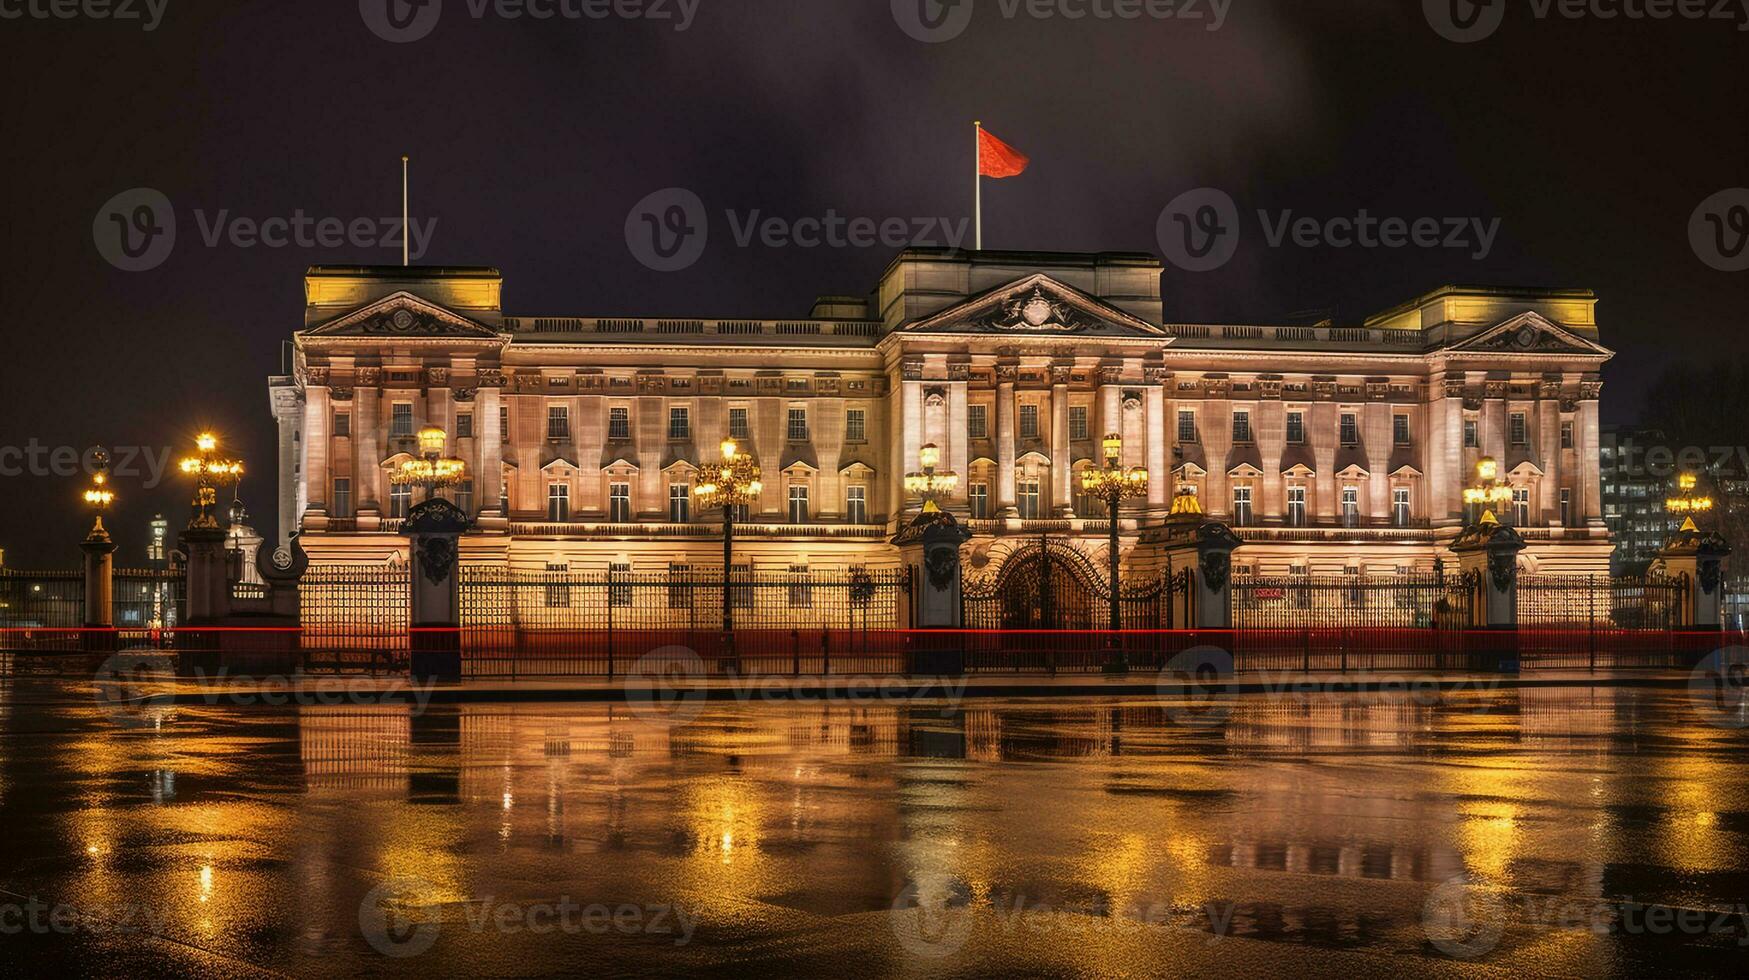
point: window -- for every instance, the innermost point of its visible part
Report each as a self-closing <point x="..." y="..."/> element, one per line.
<point x="464" y="425"/>
<point x="1078" y="422"/>
<point x="798" y="425"/>
<point x="619" y="503"/>
<point x="1566" y="435"/>
<point x="400" y="501"/>
<point x="619" y="593"/>
<point x="342" y="505"/>
<point x="1296" y="428"/>
<point x="1029" y="421"/>
<point x="679" y="423"/>
<point x="977" y="421"/>
<point x="1186" y="426"/>
<point x="800" y="596"/>
<point x="558" y="422"/>
<point x="464" y="497"/>
<point x="798" y="503"/>
<point x="619" y="423"/>
<point x="504" y="496"/>
<point x="400" y="420"/>
<point x="738" y="424"/>
<point x="679" y="503"/>
<point x="1520" y="435"/>
<point x="679" y="586"/>
<point x="855" y="425"/>
<point x="1296" y="506"/>
<point x="1241" y="506"/>
<point x="978" y="500"/>
<point x="558" y="503"/>
<point x="1400" y="506"/>
<point x="1472" y="439"/>
<point x="1349" y="429"/>
<point x="1521" y="506"/>
<point x="1028" y="502"/>
<point x="1400" y="430"/>
<point x="342" y="424"/>
<point x="1566" y="507"/>
<point x="1241" y="427"/>
<point x="559" y="592"/>
<point x="856" y="505"/>
<point x="1350" y="506"/>
<point x="504" y="424"/>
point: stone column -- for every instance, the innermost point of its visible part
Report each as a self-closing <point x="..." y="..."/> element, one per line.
<point x="434" y="529"/>
<point x="1006" y="425"/>
<point x="1696" y="558"/>
<point x="1488" y="556"/>
<point x="930" y="547"/>
<point x="1061" y="492"/>
<point x="209" y="599"/>
<point x="99" y="622"/>
<point x="958" y="445"/>
<point x="489" y="471"/>
<point x="910" y="420"/>
<point x="288" y="412"/>
<point x="1159" y="479"/>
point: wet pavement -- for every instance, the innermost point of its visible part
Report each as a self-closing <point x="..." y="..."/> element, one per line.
<point x="1564" y="831"/>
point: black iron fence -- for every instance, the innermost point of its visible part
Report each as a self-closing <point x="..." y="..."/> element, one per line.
<point x="1598" y="621"/>
<point x="1412" y="621"/>
<point x="517" y="623"/>
<point x="355" y="617"/>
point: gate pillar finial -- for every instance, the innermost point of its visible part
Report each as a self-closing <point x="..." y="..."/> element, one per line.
<point x="1696" y="558"/>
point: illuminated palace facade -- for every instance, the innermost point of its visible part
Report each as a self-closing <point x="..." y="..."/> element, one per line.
<point x="1331" y="449"/>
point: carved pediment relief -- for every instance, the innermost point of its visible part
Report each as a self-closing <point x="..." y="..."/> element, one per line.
<point x="403" y="315"/>
<point x="1529" y="333"/>
<point x="1036" y="305"/>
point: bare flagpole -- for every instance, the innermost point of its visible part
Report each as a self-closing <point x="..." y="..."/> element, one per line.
<point x="405" y="224"/>
<point x="978" y="184"/>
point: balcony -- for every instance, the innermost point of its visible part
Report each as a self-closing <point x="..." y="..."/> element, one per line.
<point x="752" y="529"/>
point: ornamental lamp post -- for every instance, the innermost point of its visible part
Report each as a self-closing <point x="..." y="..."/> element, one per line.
<point x="1688" y="502"/>
<point x="732" y="483"/>
<point x="1113" y="483"/>
<point x="1488" y="493"/>
<point x="99" y="496"/>
<point x="930" y="485"/>
<point x="432" y="470"/>
<point x="209" y="471"/>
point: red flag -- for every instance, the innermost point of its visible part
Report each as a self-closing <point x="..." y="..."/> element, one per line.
<point x="998" y="159"/>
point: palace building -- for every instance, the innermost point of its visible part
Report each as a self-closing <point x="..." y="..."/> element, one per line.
<point x="1330" y="449"/>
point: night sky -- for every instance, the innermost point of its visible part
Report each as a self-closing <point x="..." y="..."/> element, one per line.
<point x="1592" y="141"/>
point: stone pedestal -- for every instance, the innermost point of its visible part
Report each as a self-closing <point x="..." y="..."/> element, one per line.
<point x="209" y="601"/>
<point x="930" y="547"/>
<point x="1487" y="556"/>
<point x="99" y="549"/>
<point x="1697" y="558"/>
<point x="434" y="529"/>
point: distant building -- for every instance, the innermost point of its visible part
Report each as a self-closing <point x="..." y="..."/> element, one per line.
<point x="1633" y="496"/>
<point x="158" y="553"/>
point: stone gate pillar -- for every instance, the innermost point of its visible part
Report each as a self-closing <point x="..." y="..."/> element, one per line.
<point x="434" y="529"/>
<point x="1198" y="553"/>
<point x="99" y="621"/>
<point x="1488" y="556"/>
<point x="930" y="548"/>
<point x="209" y="580"/>
<point x="1697" y="558"/>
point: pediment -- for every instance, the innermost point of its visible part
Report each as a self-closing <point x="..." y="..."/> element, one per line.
<point x="403" y="315"/>
<point x="1529" y="333"/>
<point x="1038" y="306"/>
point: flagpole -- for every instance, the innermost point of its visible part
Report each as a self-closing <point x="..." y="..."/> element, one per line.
<point x="978" y="184"/>
<point x="404" y="222"/>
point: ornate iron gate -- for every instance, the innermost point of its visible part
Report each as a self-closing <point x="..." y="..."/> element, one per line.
<point x="1045" y="586"/>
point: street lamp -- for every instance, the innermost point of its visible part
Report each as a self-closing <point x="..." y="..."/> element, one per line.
<point x="1113" y="483"/>
<point x="1489" y="493"/>
<point x="1688" y="502"/>
<point x="432" y="470"/>
<point x="929" y="485"/>
<point x="208" y="470"/>
<point x="99" y="496"/>
<point x="730" y="484"/>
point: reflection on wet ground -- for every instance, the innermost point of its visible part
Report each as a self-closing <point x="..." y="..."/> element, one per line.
<point x="1558" y="831"/>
